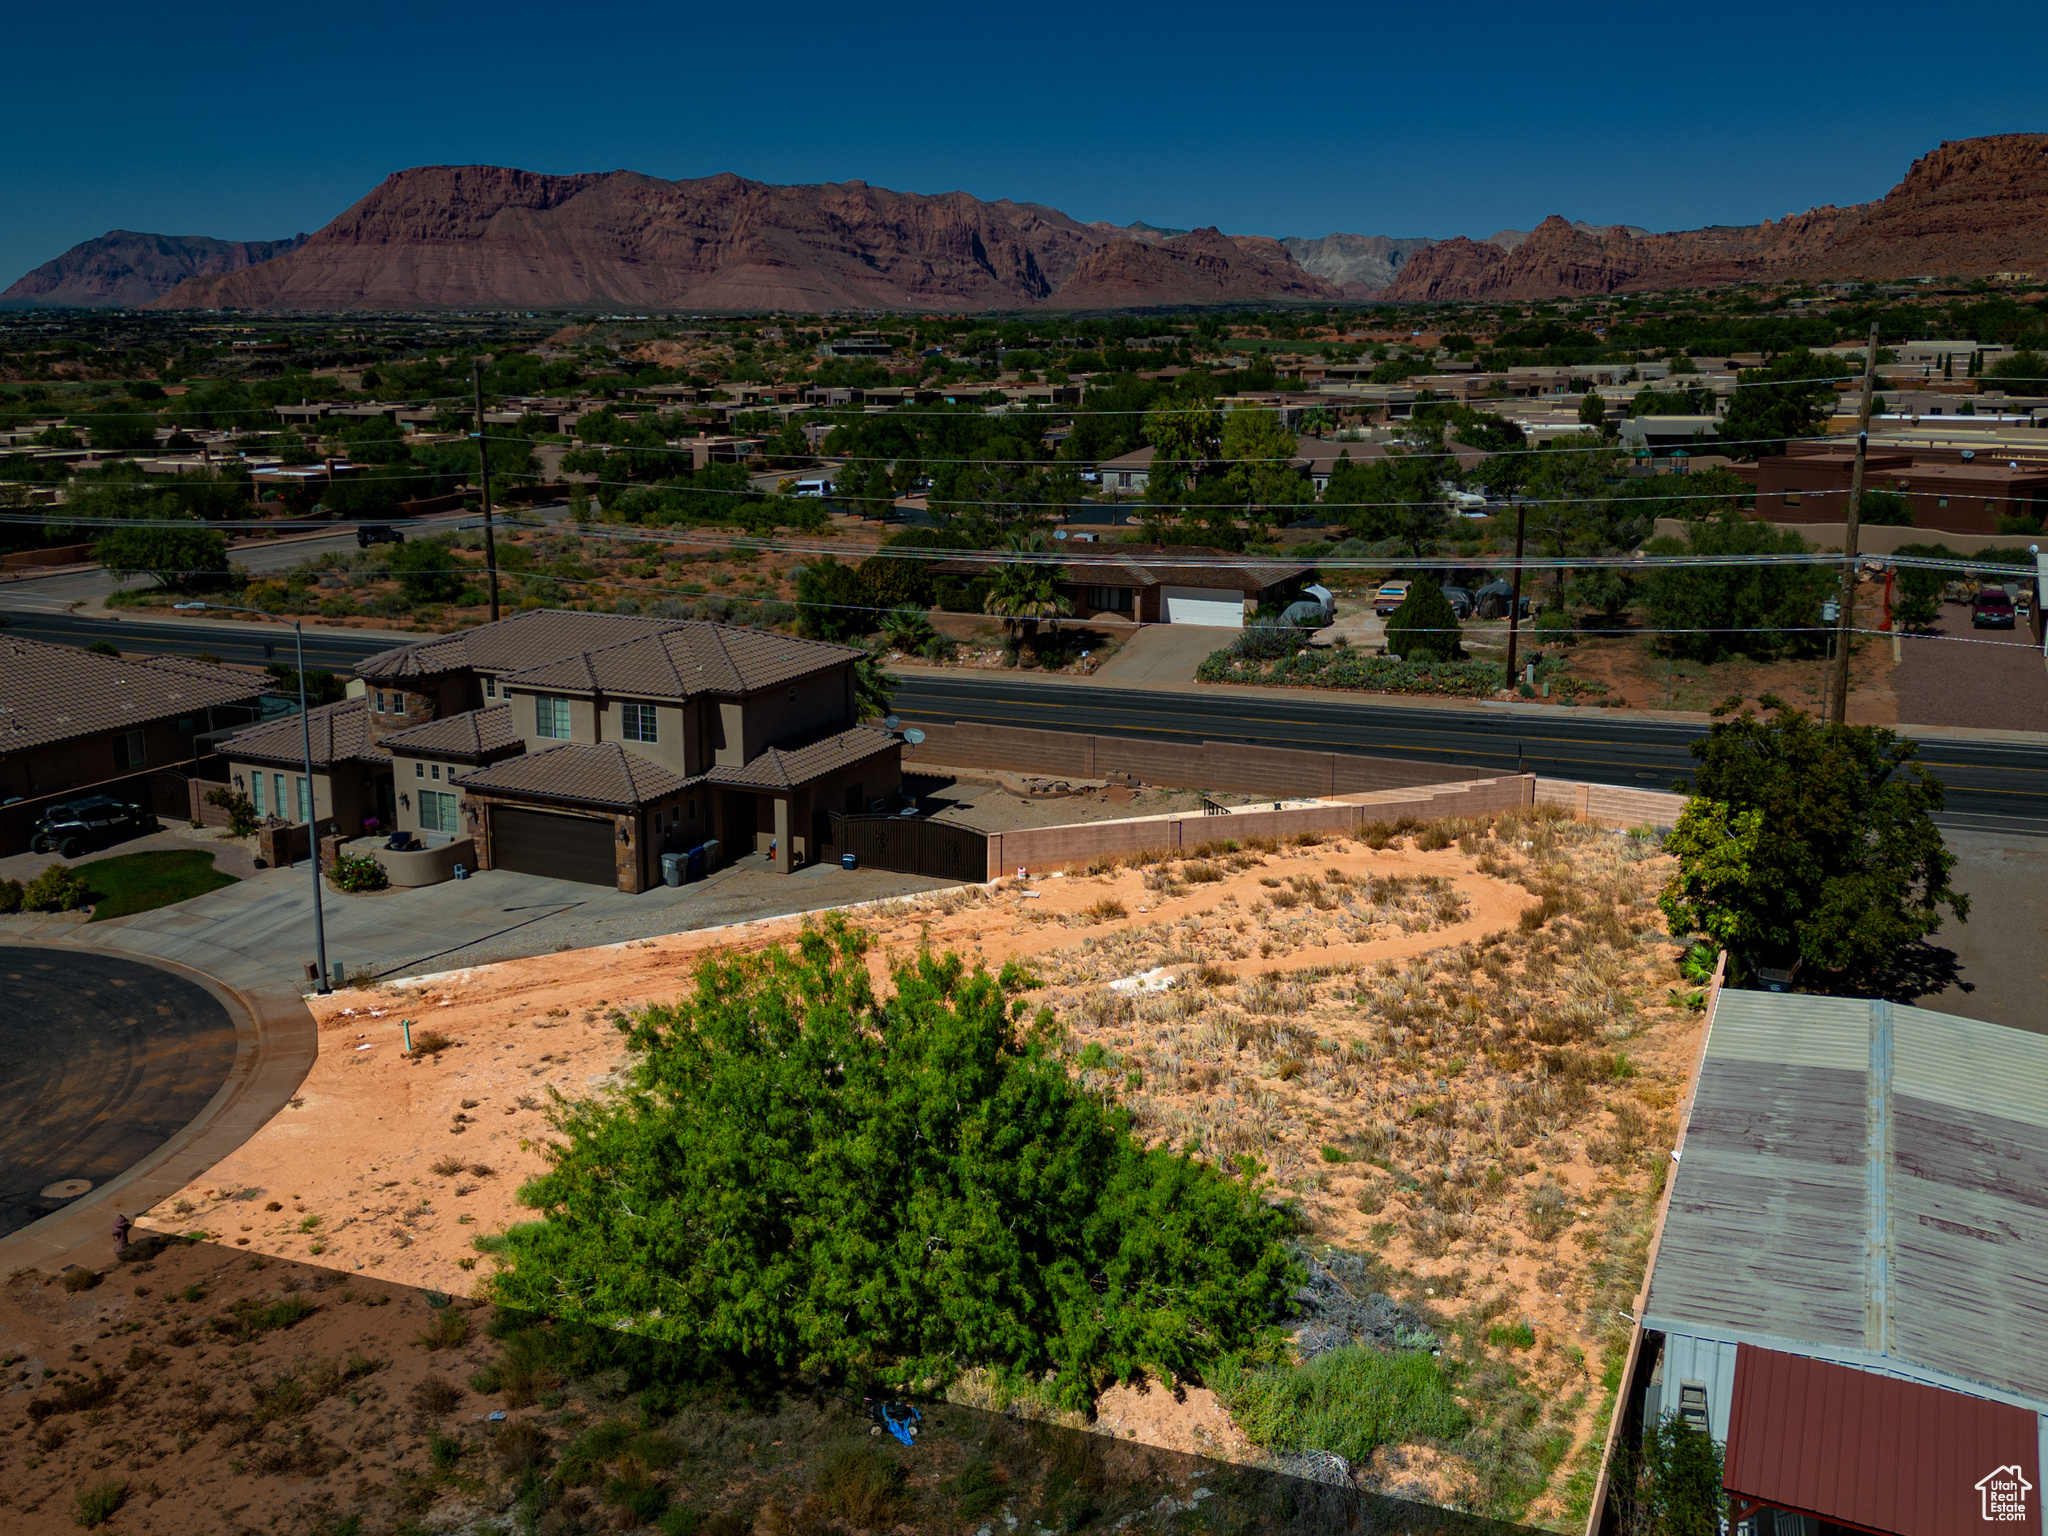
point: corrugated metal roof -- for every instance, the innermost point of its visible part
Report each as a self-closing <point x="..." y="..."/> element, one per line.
<point x="1867" y="1183"/>
<point x="1863" y="1449"/>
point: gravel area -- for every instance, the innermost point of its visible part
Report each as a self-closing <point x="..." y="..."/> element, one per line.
<point x="995" y="802"/>
<point x="2000" y="687"/>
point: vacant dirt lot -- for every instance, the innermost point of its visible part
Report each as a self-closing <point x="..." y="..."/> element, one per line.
<point x="1456" y="1049"/>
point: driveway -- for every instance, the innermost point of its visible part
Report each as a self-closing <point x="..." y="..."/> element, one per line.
<point x="1164" y="653"/>
<point x="1993" y="679"/>
<point x="2001" y="965"/>
<point x="258" y="935"/>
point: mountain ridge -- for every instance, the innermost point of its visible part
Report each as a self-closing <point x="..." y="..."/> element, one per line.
<point x="124" y="268"/>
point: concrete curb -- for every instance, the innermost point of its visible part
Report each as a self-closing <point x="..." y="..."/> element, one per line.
<point x="275" y="1046"/>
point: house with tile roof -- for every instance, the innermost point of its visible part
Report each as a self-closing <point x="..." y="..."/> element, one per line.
<point x="71" y="718"/>
<point x="585" y="746"/>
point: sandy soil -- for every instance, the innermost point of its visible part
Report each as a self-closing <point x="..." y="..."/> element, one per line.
<point x="1425" y="1048"/>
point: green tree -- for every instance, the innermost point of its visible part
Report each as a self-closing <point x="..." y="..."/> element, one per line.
<point x="800" y="1177"/>
<point x="1705" y="612"/>
<point x="1593" y="411"/>
<point x="1792" y="397"/>
<point x="1186" y="436"/>
<point x="1425" y="625"/>
<point x="1810" y="842"/>
<point x="874" y="688"/>
<point x="1916" y="598"/>
<point x="2024" y="367"/>
<point x="1670" y="1483"/>
<point x="428" y="570"/>
<point x="832" y="602"/>
<point x="172" y="555"/>
<point x="1260" y="451"/>
<point x="1026" y="593"/>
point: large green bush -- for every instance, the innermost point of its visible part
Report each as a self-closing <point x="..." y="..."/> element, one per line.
<point x="1425" y="626"/>
<point x="1339" y="667"/>
<point x="56" y="889"/>
<point x="802" y="1177"/>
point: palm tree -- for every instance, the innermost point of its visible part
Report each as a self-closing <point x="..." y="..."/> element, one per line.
<point x="1025" y="593"/>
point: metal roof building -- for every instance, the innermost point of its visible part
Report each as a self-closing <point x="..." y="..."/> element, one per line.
<point x="1854" y="1256"/>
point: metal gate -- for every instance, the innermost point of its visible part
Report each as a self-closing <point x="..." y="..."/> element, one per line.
<point x="912" y="847"/>
<point x="561" y="847"/>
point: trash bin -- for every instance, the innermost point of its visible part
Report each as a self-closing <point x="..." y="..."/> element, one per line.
<point x="696" y="868"/>
<point x="710" y="851"/>
<point x="849" y="861"/>
<point x="672" y="868"/>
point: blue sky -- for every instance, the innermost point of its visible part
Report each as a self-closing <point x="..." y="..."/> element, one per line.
<point x="249" y="121"/>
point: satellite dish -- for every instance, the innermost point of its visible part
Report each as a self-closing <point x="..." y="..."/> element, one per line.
<point x="914" y="736"/>
<point x="890" y="722"/>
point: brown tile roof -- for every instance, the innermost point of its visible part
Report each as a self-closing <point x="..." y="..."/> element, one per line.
<point x="51" y="693"/>
<point x="476" y="734"/>
<point x="510" y="645"/>
<point x="341" y="733"/>
<point x="688" y="658"/>
<point x="581" y="773"/>
<point x="1151" y="565"/>
<point x="789" y="767"/>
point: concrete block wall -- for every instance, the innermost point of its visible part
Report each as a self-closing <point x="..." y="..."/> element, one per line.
<point x="1041" y="849"/>
<point x="1611" y="805"/>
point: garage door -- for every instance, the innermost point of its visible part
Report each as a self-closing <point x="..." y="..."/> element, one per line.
<point x="1202" y="605"/>
<point x="561" y="847"/>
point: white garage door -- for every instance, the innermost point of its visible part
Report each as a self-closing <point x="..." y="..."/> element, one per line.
<point x="1202" y="605"/>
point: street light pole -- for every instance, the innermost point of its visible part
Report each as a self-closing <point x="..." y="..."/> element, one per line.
<point x="306" y="746"/>
<point x="483" y="465"/>
<point x="1845" y="613"/>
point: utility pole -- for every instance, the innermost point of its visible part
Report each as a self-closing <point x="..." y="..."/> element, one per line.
<point x="1845" y="610"/>
<point x="483" y="465"/>
<point x="1515" y="602"/>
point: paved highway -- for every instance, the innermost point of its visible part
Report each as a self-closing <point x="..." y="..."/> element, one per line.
<point x="1993" y="786"/>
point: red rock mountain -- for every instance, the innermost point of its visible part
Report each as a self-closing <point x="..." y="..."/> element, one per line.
<point x="1967" y="209"/>
<point x="454" y="236"/>
<point x="122" y="269"/>
<point x="1203" y="266"/>
<point x="458" y="236"/>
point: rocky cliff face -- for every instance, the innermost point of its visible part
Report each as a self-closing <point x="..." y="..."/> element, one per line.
<point x="123" y="269"/>
<point x="1967" y="209"/>
<point x="1361" y="265"/>
<point x="1203" y="266"/>
<point x="452" y="236"/>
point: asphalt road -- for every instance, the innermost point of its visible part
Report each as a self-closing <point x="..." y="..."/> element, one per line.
<point x="1993" y="786"/>
<point x="101" y="1061"/>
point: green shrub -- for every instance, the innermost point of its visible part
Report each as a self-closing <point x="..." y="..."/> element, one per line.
<point x="10" y="895"/>
<point x="357" y="872"/>
<point x="96" y="1505"/>
<point x="1351" y="1401"/>
<point x="861" y="1483"/>
<point x="1511" y="1336"/>
<point x="1044" y="1188"/>
<point x="56" y="889"/>
<point x="241" y="810"/>
<point x="1425" y="626"/>
<point x="1348" y="669"/>
<point x="446" y="1329"/>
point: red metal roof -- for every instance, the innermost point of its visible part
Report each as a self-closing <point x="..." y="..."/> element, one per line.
<point x="1866" y="1450"/>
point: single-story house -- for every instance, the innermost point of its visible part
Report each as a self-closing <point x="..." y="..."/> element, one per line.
<point x="70" y="718"/>
<point x="1162" y="584"/>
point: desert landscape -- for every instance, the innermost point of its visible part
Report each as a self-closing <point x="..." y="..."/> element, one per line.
<point x="1456" y="1047"/>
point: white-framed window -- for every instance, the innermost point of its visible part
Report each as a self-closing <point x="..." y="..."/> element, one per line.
<point x="490" y="687"/>
<point x="637" y="722"/>
<point x="305" y="789"/>
<point x="437" y="811"/>
<point x="419" y="769"/>
<point x="434" y="772"/>
<point x="380" y="701"/>
<point x="277" y="800"/>
<point x="551" y="717"/>
<point x="256" y="793"/>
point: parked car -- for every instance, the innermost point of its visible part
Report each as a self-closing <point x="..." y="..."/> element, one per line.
<point x="92" y="822"/>
<point x="1390" y="597"/>
<point x="1992" y="609"/>
<point x="377" y="533"/>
